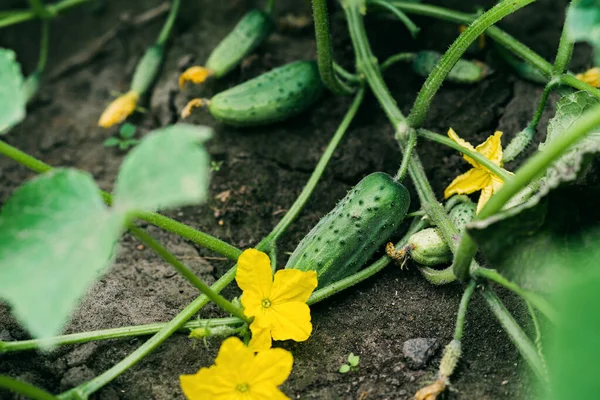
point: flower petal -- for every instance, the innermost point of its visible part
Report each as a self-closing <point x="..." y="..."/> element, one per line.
<point x="492" y="148"/>
<point x="254" y="276"/>
<point x="293" y="285"/>
<point x="497" y="183"/>
<point x="485" y="195"/>
<point x="234" y="356"/>
<point x="454" y="136"/>
<point x="471" y="181"/>
<point x="207" y="383"/>
<point x="119" y="109"/>
<point x="265" y="391"/>
<point x="272" y="367"/>
<point x="261" y="337"/>
<point x="194" y="74"/>
<point x="291" y="321"/>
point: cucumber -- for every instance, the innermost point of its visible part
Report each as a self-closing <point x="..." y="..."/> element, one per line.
<point x="347" y="237"/>
<point x="245" y="37"/>
<point x="427" y="247"/>
<point x="463" y="72"/>
<point x="270" y="97"/>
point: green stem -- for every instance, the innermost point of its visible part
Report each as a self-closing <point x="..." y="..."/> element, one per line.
<point x="114" y="333"/>
<point x="367" y="272"/>
<point x="408" y="150"/>
<point x="532" y="168"/>
<point x="169" y="23"/>
<point x="25" y="389"/>
<point x="516" y="334"/>
<point x="438" y="75"/>
<point x="295" y="209"/>
<point x="412" y="28"/>
<point x="564" y="53"/>
<point x="39" y="9"/>
<point x="53" y="9"/>
<point x="324" y="49"/>
<point x="396" y="58"/>
<point x="436" y="137"/>
<point x="270" y="6"/>
<point x="350" y="77"/>
<point x="168" y="224"/>
<point x="570" y="80"/>
<point x="536" y="300"/>
<point x="437" y="277"/>
<point x="462" y="310"/>
<point x="188" y="274"/>
<point x="493" y="32"/>
<point x="538" y="336"/>
<point x="43" y="58"/>
<point x="366" y="62"/>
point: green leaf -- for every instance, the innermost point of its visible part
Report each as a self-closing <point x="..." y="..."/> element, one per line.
<point x="169" y="168"/>
<point x="12" y="98"/>
<point x="353" y="360"/>
<point x="57" y="238"/>
<point x="527" y="248"/>
<point x="111" y="142"/>
<point x="344" y="369"/>
<point x="127" y="130"/>
<point x="583" y="23"/>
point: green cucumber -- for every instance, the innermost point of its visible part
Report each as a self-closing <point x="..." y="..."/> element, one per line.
<point x="147" y="69"/>
<point x="346" y="238"/>
<point x="427" y="247"/>
<point x="463" y="72"/>
<point x="245" y="37"/>
<point x="270" y="97"/>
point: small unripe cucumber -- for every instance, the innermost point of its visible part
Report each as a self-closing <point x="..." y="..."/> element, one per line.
<point x="463" y="72"/>
<point x="246" y="36"/>
<point x="147" y="69"/>
<point x="427" y="247"/>
<point x="270" y="97"/>
<point x="354" y="230"/>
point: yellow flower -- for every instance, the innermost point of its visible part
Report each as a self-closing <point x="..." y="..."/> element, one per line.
<point x="239" y="374"/>
<point x="591" y="77"/>
<point x="479" y="177"/>
<point x="119" y="109"/>
<point x="195" y="75"/>
<point x="193" y="103"/>
<point x="278" y="304"/>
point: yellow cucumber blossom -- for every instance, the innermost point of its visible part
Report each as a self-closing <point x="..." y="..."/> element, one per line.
<point x="119" y="109"/>
<point x="239" y="374"/>
<point x="195" y="75"/>
<point x="277" y="303"/>
<point x="479" y="177"/>
<point x="591" y="77"/>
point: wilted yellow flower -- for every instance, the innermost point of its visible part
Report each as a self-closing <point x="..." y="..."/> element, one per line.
<point x="278" y="304"/>
<point x="193" y="103"/>
<point x="591" y="77"/>
<point x="479" y="177"/>
<point x="195" y="75"/>
<point x="239" y="374"/>
<point x="119" y="109"/>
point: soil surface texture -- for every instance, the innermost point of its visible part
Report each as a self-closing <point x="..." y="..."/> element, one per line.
<point x="262" y="171"/>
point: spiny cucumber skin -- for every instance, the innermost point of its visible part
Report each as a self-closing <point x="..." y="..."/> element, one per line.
<point x="244" y="38"/>
<point x="463" y="72"/>
<point x="346" y="238"/>
<point x="427" y="247"/>
<point x="274" y="96"/>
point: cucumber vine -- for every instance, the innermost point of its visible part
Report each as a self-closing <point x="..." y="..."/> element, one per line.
<point x="170" y="168"/>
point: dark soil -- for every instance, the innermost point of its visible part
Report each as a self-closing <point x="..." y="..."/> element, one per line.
<point x="264" y="169"/>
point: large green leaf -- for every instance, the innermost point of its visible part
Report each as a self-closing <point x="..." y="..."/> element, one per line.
<point x="575" y="345"/>
<point x="528" y="248"/>
<point x="56" y="238"/>
<point x="169" y="168"/>
<point x="583" y="23"/>
<point x="12" y="99"/>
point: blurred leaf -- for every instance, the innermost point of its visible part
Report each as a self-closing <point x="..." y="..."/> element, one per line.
<point x="353" y="360"/>
<point x="169" y="168"/>
<point x="344" y="369"/>
<point x="12" y="98"/>
<point x="57" y="237"/>
<point x="111" y="142"/>
<point x="526" y="248"/>
<point x="575" y="345"/>
<point x="583" y="23"/>
<point x="127" y="130"/>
